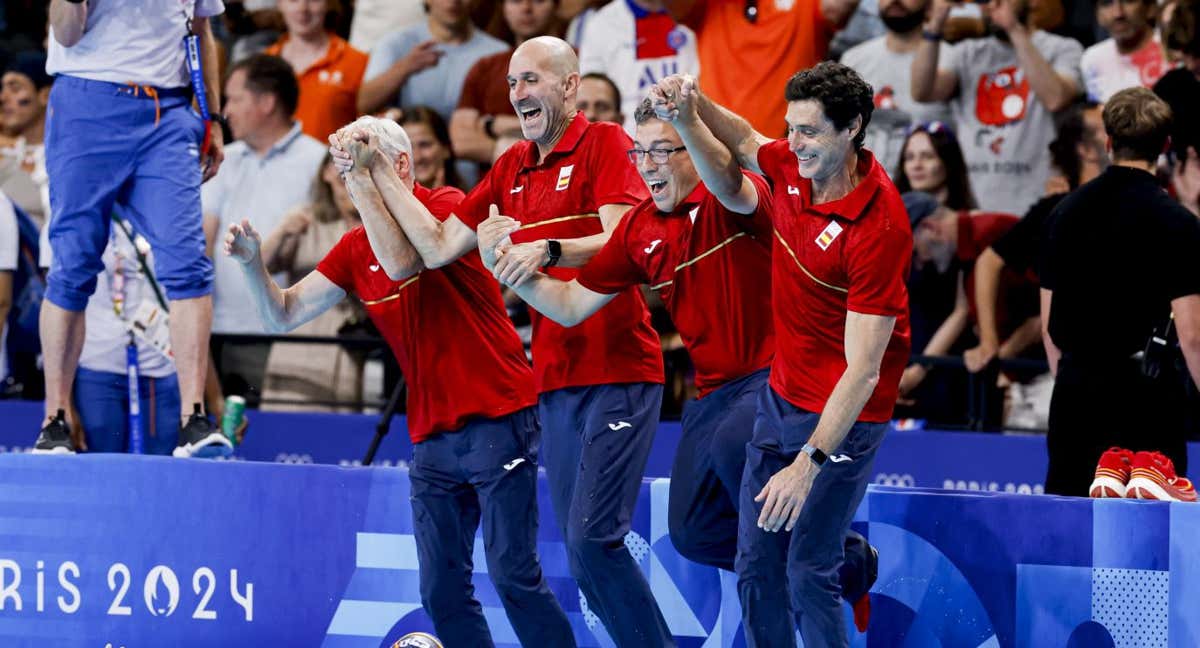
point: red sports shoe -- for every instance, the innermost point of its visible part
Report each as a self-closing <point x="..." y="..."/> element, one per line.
<point x="1112" y="473"/>
<point x="1153" y="477"/>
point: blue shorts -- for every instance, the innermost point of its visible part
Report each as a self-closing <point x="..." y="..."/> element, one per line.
<point x="102" y="400"/>
<point x="108" y="147"/>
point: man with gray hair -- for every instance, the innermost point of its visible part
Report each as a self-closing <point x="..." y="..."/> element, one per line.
<point x="474" y="430"/>
<point x="567" y="186"/>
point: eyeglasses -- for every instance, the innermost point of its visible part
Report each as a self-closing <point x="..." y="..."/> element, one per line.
<point x="657" y="155"/>
<point x="931" y="127"/>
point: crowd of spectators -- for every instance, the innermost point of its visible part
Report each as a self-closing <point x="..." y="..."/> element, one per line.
<point x="986" y="114"/>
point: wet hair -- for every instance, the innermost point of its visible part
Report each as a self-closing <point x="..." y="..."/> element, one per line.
<point x="842" y="93"/>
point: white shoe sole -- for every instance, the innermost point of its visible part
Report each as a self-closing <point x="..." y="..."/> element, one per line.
<point x="1107" y="487"/>
<point x="190" y="449"/>
<point x="1147" y="489"/>
<point x="59" y="450"/>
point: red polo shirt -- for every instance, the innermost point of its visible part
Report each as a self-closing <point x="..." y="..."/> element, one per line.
<point x="1018" y="292"/>
<point x="447" y="327"/>
<point x="712" y="268"/>
<point x="560" y="198"/>
<point x="851" y="254"/>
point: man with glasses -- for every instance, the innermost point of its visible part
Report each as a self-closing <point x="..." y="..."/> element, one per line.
<point x="599" y="384"/>
<point x="842" y="246"/>
<point x="708" y="255"/>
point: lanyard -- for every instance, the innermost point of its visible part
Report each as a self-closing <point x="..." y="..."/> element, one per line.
<point x="135" y="409"/>
<point x="191" y="45"/>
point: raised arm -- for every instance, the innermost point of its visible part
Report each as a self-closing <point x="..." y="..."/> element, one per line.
<point x="396" y="254"/>
<point x="930" y="83"/>
<point x="68" y="19"/>
<point x="1055" y="91"/>
<point x="732" y="131"/>
<point x="715" y="163"/>
<point x="280" y="310"/>
<point x="867" y="338"/>
<point x="438" y="242"/>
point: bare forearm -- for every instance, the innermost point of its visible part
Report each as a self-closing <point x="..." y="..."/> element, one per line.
<point x="1026" y="335"/>
<point x="1054" y="92"/>
<point x="577" y="252"/>
<point x="212" y="72"/>
<point x="68" y="20"/>
<point x="924" y="72"/>
<point x="392" y="248"/>
<point x="268" y="298"/>
<point x="849" y="396"/>
<point x="423" y="231"/>
<point x="714" y="161"/>
<point x="376" y="93"/>
<point x="987" y="288"/>
<point x="567" y="303"/>
<point x="947" y="333"/>
<point x="1052" y="352"/>
<point x="731" y="130"/>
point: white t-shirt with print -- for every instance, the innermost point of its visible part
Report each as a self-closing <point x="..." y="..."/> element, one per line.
<point x="1003" y="128"/>
<point x="1107" y="71"/>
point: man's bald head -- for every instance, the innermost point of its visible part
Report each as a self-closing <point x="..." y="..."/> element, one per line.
<point x="549" y="53"/>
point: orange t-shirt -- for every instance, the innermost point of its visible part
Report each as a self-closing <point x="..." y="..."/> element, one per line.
<point x="745" y="66"/>
<point x="328" y="88"/>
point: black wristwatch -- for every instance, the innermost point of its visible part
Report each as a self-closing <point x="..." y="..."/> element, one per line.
<point x="817" y="455"/>
<point x="554" y="251"/>
<point x="489" y="123"/>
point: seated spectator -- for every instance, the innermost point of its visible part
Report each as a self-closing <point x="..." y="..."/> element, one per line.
<point x="749" y="50"/>
<point x="1004" y="104"/>
<point x="24" y="95"/>
<point x="426" y="63"/>
<point x="434" y="164"/>
<point x="314" y="373"/>
<point x="932" y="163"/>
<point x="635" y="43"/>
<point x="886" y="63"/>
<point x="128" y="307"/>
<point x="599" y="99"/>
<point x="954" y="239"/>
<point x="257" y="181"/>
<point x="1131" y="57"/>
<point x="485" y="124"/>
<point x="1077" y="156"/>
<point x="328" y="69"/>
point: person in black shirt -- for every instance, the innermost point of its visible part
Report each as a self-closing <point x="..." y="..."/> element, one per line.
<point x="1118" y="260"/>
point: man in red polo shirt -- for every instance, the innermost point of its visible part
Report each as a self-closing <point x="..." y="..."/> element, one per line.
<point x="840" y="259"/>
<point x="473" y="457"/>
<point x="600" y="383"/>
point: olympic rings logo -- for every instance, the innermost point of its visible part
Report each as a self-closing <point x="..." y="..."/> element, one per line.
<point x="896" y="479"/>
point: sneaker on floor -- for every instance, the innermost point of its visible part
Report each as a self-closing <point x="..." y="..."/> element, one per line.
<point x="55" y="438"/>
<point x="1153" y="477"/>
<point x="200" y="438"/>
<point x="1112" y="473"/>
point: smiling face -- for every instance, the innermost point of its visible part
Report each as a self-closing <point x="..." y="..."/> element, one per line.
<point x="429" y="155"/>
<point x="528" y="18"/>
<point x="539" y="94"/>
<point x="597" y="102"/>
<point x="924" y="168"/>
<point x="820" y="147"/>
<point x="303" y="17"/>
<point x="671" y="181"/>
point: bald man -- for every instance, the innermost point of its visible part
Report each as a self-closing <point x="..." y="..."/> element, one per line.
<point x="563" y="189"/>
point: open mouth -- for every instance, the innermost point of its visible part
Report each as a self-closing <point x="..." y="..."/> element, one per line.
<point x="529" y="115"/>
<point x="805" y="157"/>
<point x="657" y="187"/>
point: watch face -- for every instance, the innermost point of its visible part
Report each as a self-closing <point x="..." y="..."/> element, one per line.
<point x="554" y="248"/>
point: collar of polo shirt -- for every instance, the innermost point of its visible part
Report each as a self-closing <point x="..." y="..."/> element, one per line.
<point x="567" y="143"/>
<point x="854" y="204"/>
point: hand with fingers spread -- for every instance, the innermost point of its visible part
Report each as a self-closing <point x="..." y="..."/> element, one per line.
<point x="520" y="262"/>
<point x="784" y="495"/>
<point x="493" y="236"/>
<point x="243" y="242"/>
